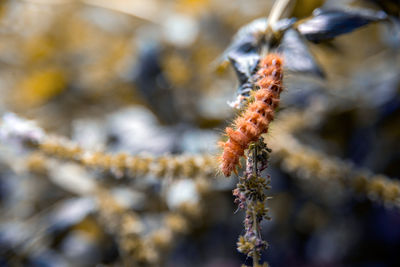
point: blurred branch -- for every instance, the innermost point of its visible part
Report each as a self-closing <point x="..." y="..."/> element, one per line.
<point x="137" y="246"/>
<point x="49" y="2"/>
<point x="277" y="10"/>
<point x="145" y="11"/>
<point x="136" y="243"/>
<point x="23" y="131"/>
<point x="120" y="164"/>
<point x="307" y="163"/>
<point x="136" y="9"/>
<point x="296" y="158"/>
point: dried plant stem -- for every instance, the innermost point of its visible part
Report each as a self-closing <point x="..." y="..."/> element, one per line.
<point x="256" y="227"/>
<point x="256" y="255"/>
<point x="132" y="8"/>
<point x="123" y="164"/>
<point x="304" y="162"/>
<point x="279" y="7"/>
<point x="300" y="160"/>
<point x="250" y="195"/>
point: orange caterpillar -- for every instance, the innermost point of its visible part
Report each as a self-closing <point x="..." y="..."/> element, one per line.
<point x="256" y="118"/>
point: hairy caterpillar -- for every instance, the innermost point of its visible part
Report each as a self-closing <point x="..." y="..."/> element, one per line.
<point x="255" y="120"/>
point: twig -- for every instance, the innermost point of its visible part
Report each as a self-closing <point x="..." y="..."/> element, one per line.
<point x="250" y="195"/>
<point x="128" y="8"/>
<point x="276" y="12"/>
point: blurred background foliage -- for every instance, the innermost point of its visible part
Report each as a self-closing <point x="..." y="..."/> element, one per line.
<point x="144" y="81"/>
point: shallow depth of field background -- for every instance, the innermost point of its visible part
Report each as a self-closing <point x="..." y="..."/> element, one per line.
<point x="144" y="77"/>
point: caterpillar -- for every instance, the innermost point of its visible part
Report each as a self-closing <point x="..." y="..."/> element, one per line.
<point x="255" y="120"/>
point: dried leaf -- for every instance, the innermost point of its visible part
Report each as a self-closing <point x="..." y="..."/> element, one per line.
<point x="244" y="65"/>
<point x="247" y="38"/>
<point x="284" y="24"/>
<point x="327" y="24"/>
<point x="243" y="52"/>
<point x="297" y="56"/>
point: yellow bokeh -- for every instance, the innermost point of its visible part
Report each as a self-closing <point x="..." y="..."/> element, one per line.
<point x="39" y="87"/>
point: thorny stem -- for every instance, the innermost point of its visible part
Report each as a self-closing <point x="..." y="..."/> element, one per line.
<point x="250" y="195"/>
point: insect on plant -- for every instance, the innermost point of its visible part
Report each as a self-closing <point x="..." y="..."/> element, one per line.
<point x="108" y="139"/>
<point x="259" y="52"/>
